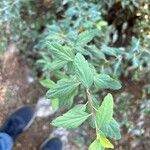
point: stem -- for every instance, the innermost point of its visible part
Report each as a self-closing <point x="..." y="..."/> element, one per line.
<point x="88" y="96"/>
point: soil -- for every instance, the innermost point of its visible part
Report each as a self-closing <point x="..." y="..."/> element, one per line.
<point x="18" y="87"/>
<point x="137" y="120"/>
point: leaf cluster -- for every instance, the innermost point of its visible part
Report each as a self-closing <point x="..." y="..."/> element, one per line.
<point x="81" y="79"/>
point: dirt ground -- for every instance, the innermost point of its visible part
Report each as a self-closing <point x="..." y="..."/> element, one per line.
<point x="136" y="132"/>
<point x="18" y="87"/>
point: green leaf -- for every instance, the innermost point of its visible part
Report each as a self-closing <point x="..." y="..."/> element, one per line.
<point x="101" y="24"/>
<point x="70" y="68"/>
<point x="112" y="130"/>
<point x="57" y="64"/>
<point x="96" y="146"/>
<point x="61" y="52"/>
<point x="83" y="70"/>
<point x="113" y="51"/>
<point x="47" y="83"/>
<point x="80" y="49"/>
<point x="135" y="44"/>
<point x="85" y="37"/>
<point x="67" y="100"/>
<point x="55" y="103"/>
<point x="105" y="111"/>
<point x="104" y="81"/>
<point x="63" y="88"/>
<point x="72" y="119"/>
<point x="97" y="54"/>
<point x="105" y="142"/>
<point x="59" y="75"/>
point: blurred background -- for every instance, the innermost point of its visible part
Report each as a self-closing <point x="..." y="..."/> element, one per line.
<point x="122" y="50"/>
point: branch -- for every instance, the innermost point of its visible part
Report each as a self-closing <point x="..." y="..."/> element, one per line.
<point x="88" y="96"/>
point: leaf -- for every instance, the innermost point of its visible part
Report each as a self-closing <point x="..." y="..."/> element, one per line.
<point x="135" y="62"/>
<point x="70" y="68"/>
<point x="47" y="83"/>
<point x="85" y="37"/>
<point x="113" y="51"/>
<point x="95" y="145"/>
<point x="105" y="142"/>
<point x="59" y="75"/>
<point x="104" y="81"/>
<point x="71" y="119"/>
<point x="135" y="44"/>
<point x="57" y="64"/>
<point x="97" y="54"/>
<point x="63" y="88"/>
<point x="112" y="130"/>
<point x="101" y="24"/>
<point x="81" y="50"/>
<point x="117" y="66"/>
<point x="71" y="11"/>
<point x="55" y="103"/>
<point x="67" y="101"/>
<point x="83" y="70"/>
<point x="105" y="111"/>
<point x="61" y="52"/>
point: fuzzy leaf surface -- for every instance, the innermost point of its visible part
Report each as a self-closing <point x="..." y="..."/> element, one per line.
<point x="105" y="142"/>
<point x="95" y="145"/>
<point x="61" y="52"/>
<point x="71" y="119"/>
<point x="83" y="70"/>
<point x="47" y="83"/>
<point x="112" y="130"/>
<point x="85" y="37"/>
<point x="63" y="88"/>
<point x="104" y="81"/>
<point x="105" y="111"/>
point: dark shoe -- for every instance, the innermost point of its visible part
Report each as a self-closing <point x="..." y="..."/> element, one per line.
<point x="52" y="144"/>
<point x="18" y="121"/>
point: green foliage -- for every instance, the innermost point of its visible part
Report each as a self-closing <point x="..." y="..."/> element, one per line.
<point x="85" y="37"/>
<point x="60" y="52"/>
<point x="73" y="118"/>
<point x="80" y="78"/>
<point x="112" y="130"/>
<point x="21" y="21"/>
<point x="83" y="70"/>
<point x="78" y="56"/>
<point x="104" y="81"/>
<point x="10" y="9"/>
<point x="104" y="113"/>
<point x="47" y="83"/>
<point x="93" y="43"/>
<point x="105" y="142"/>
<point x="100" y="143"/>
<point x="79" y="53"/>
<point x="63" y="88"/>
<point x="96" y="145"/>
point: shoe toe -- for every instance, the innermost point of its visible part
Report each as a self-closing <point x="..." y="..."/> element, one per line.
<point x="25" y="112"/>
<point x="52" y="144"/>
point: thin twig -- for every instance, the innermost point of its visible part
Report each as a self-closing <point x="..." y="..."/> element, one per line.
<point x="88" y="96"/>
